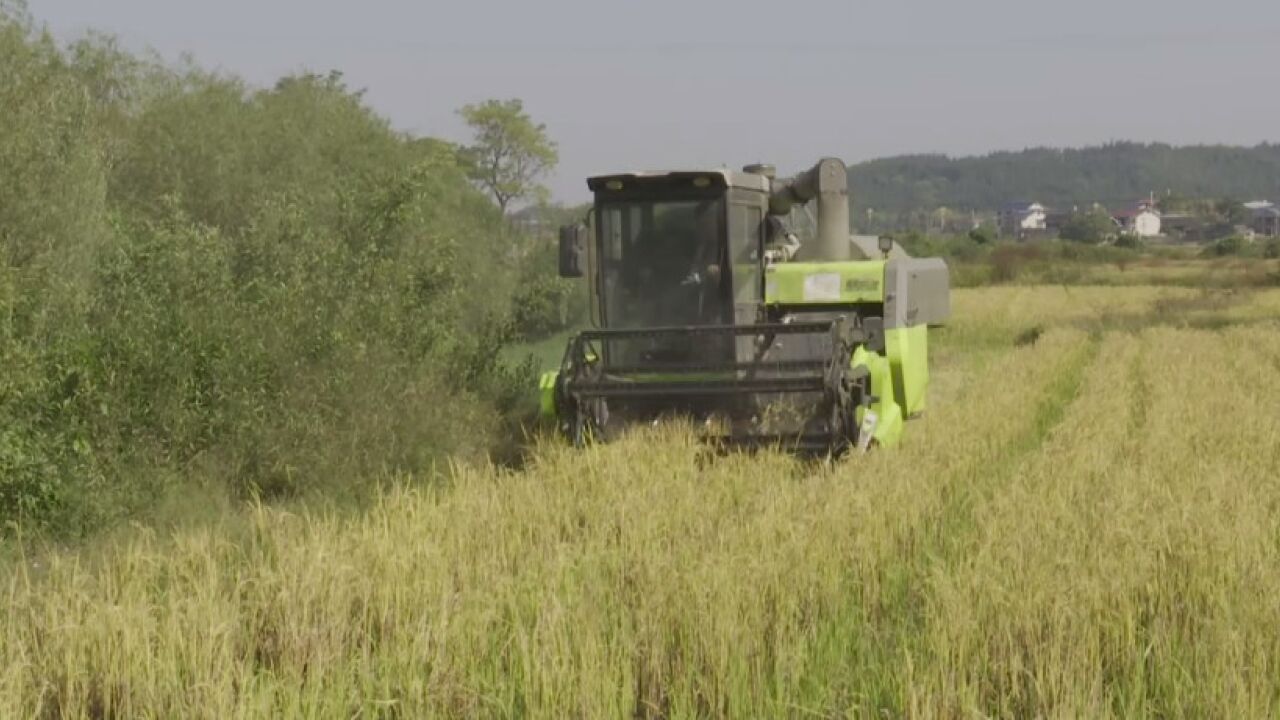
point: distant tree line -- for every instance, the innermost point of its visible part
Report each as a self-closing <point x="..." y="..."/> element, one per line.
<point x="1115" y="173"/>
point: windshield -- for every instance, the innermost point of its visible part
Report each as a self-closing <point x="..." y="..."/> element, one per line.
<point x="662" y="262"/>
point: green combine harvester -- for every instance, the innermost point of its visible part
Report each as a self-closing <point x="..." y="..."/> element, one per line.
<point x="707" y="305"/>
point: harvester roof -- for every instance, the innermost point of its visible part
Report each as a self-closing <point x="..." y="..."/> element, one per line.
<point x="713" y="177"/>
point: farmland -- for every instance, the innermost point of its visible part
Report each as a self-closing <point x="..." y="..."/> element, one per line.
<point x="1084" y="524"/>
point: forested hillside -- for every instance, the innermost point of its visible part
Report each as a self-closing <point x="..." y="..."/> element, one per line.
<point x="1109" y="174"/>
<point x="206" y="283"/>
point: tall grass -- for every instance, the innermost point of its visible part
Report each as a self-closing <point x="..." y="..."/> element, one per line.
<point x="1085" y="527"/>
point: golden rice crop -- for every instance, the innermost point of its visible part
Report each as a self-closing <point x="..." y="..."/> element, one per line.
<point x="1130" y="566"/>
<point x="1083" y="524"/>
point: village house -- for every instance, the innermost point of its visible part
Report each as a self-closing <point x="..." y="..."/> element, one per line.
<point x="1021" y="219"/>
<point x="1264" y="218"/>
<point x="1183" y="227"/>
<point x="1266" y="222"/>
<point x="1142" y="220"/>
<point x="1056" y="219"/>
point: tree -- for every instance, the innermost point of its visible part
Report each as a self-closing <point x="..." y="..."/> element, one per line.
<point x="1226" y="246"/>
<point x="510" y="151"/>
<point x="1173" y="202"/>
<point x="1089" y="227"/>
<point x="983" y="234"/>
<point x="1117" y="171"/>
<point x="1231" y="211"/>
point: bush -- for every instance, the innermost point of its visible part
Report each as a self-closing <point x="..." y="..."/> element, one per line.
<point x="1088" y="227"/>
<point x="1130" y="241"/>
<point x="1232" y="245"/>
<point x="543" y="303"/>
<point x="952" y="247"/>
<point x="1008" y="261"/>
<point x="1085" y="253"/>
<point x="983" y="235"/>
<point x="1272" y="249"/>
<point x="914" y="243"/>
<point x="268" y="289"/>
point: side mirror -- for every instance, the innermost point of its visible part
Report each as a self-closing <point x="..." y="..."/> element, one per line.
<point x="573" y="250"/>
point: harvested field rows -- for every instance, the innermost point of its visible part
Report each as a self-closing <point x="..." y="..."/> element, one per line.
<point x="1086" y="523"/>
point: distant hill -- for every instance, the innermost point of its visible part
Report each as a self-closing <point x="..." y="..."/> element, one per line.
<point x="1110" y="174"/>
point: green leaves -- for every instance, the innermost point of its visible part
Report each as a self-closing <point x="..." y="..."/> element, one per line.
<point x="264" y="288"/>
<point x="509" y="153"/>
<point x="1092" y="226"/>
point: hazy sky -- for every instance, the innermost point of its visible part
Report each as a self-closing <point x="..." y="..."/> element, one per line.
<point x="661" y="84"/>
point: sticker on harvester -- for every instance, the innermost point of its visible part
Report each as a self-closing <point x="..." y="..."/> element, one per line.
<point x="821" y="287"/>
<point x="867" y="431"/>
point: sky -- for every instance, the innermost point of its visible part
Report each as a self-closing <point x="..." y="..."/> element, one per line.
<point x="666" y="84"/>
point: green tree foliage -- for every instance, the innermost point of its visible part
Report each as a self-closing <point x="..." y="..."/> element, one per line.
<point x="1230" y="211"/>
<point x="544" y="303"/>
<point x="1111" y="174"/>
<point x="1092" y="226"/>
<point x="983" y="234"/>
<point x="509" y="153"/>
<point x="1226" y="246"/>
<point x="52" y="183"/>
<point x="264" y="288"/>
<point x="1129" y="240"/>
<point x="1173" y="202"/>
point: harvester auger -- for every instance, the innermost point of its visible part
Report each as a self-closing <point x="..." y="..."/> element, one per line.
<point x="706" y="305"/>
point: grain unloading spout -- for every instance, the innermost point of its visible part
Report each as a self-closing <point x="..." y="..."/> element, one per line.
<point x="828" y="183"/>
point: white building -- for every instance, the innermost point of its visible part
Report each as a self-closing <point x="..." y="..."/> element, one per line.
<point x="1019" y="219"/>
<point x="1265" y="220"/>
<point x="1142" y="220"/>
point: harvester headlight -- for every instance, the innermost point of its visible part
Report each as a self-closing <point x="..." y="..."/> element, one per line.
<point x="702" y="182"/>
<point x="614" y="185"/>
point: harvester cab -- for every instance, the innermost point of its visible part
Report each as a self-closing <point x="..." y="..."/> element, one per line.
<point x="706" y="304"/>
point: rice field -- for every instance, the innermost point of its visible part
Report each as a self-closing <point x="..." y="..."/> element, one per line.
<point x="1086" y="523"/>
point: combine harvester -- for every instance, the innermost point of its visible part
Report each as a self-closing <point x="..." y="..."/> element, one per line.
<point x="708" y="306"/>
